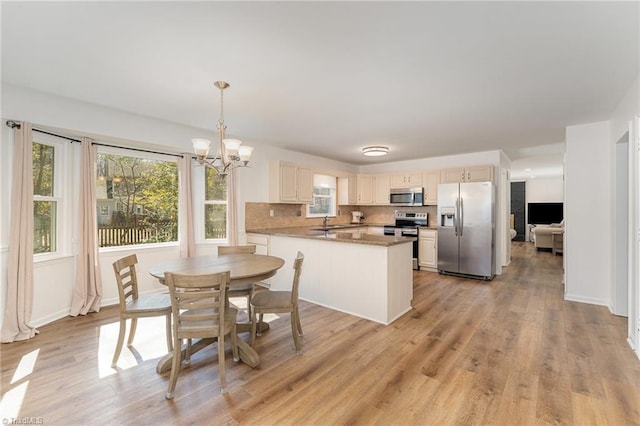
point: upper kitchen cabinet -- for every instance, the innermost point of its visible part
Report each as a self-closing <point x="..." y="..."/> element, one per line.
<point x="365" y="189"/>
<point x="290" y="183"/>
<point x="430" y="180"/>
<point x="347" y="190"/>
<point x="467" y="174"/>
<point x="381" y="189"/>
<point x="406" y="180"/>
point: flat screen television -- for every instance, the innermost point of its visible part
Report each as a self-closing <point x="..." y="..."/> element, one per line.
<point x="544" y="213"/>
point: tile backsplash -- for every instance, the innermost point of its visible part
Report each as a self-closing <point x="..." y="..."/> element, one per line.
<point x="257" y="215"/>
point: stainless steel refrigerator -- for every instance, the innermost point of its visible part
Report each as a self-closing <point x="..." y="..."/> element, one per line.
<point x="466" y="228"/>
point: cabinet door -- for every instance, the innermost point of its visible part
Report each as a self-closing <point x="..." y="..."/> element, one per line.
<point x="305" y="184"/>
<point x="452" y="175"/>
<point x="414" y="179"/>
<point x="397" y="181"/>
<point x="382" y="189"/>
<point x="428" y="250"/>
<point x="431" y="179"/>
<point x="479" y="174"/>
<point x="406" y="180"/>
<point x="288" y="182"/>
<point x="353" y="189"/>
<point x="365" y="189"/>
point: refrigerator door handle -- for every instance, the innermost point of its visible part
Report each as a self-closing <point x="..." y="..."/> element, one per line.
<point x="455" y="216"/>
<point x="461" y="219"/>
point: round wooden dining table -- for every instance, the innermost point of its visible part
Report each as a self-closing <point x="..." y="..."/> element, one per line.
<point x="243" y="269"/>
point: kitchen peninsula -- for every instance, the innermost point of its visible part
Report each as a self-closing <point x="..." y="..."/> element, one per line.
<point x="347" y="269"/>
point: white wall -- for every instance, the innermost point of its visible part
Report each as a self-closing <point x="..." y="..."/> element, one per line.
<point x="545" y="190"/>
<point x="587" y="216"/>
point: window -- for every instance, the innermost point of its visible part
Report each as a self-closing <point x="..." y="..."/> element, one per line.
<point x="45" y="202"/>
<point x="324" y="197"/>
<point x="141" y="193"/>
<point x="215" y="205"/>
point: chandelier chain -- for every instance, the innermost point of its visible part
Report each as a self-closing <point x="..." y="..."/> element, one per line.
<point x="221" y="120"/>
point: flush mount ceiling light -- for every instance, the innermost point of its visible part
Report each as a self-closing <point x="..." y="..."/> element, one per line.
<point x="229" y="153"/>
<point x="375" y="151"/>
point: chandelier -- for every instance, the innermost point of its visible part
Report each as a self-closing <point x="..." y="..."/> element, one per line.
<point x="230" y="153"/>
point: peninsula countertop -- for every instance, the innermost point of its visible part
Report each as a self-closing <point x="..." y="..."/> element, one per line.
<point x="348" y="233"/>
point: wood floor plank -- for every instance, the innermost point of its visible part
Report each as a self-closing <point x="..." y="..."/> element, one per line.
<point x="509" y="351"/>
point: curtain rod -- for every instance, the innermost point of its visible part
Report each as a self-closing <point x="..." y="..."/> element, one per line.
<point x="139" y="150"/>
<point x="16" y="125"/>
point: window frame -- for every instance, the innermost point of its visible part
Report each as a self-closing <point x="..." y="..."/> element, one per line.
<point x="63" y="194"/>
<point x="200" y="203"/>
<point x="149" y="156"/>
<point x="333" y="196"/>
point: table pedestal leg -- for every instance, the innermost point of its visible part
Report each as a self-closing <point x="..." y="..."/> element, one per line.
<point x="248" y="355"/>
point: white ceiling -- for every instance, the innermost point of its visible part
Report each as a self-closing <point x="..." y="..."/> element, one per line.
<point x="328" y="78"/>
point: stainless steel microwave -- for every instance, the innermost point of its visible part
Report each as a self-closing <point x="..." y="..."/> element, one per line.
<point x="407" y="196"/>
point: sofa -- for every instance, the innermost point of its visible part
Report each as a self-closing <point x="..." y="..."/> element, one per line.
<point x="542" y="234"/>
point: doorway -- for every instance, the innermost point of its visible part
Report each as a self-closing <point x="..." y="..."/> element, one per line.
<point x="518" y="203"/>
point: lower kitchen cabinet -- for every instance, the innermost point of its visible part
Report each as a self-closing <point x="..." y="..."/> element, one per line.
<point x="428" y="249"/>
<point x="261" y="242"/>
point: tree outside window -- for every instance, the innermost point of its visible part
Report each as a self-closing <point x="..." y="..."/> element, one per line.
<point x="45" y="204"/>
<point x="142" y="196"/>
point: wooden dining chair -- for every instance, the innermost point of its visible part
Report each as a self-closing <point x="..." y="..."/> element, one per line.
<point x="199" y="310"/>
<point x="277" y="301"/>
<point x="134" y="305"/>
<point x="245" y="290"/>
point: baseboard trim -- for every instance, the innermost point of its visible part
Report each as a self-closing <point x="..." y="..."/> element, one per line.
<point x="633" y="347"/>
<point x="582" y="299"/>
<point x="39" y="322"/>
<point x="51" y="318"/>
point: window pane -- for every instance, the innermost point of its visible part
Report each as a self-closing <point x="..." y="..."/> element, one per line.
<point x="215" y="220"/>
<point x="216" y="186"/>
<point x="44" y="226"/>
<point x="324" y="196"/>
<point x="321" y="206"/>
<point x="140" y="199"/>
<point x="43" y="157"/>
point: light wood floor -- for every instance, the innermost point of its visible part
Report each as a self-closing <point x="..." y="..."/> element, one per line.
<point x="506" y="352"/>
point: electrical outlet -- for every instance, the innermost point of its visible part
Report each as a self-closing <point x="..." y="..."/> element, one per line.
<point x="299" y="213"/>
<point x="271" y="213"/>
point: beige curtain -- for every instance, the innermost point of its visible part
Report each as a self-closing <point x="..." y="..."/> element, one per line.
<point x="17" y="313"/>
<point x="87" y="292"/>
<point x="185" y="209"/>
<point x="233" y="208"/>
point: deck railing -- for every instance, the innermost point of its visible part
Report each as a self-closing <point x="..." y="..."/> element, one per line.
<point x="111" y="236"/>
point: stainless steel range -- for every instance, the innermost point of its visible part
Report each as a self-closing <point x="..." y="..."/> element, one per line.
<point x="406" y="225"/>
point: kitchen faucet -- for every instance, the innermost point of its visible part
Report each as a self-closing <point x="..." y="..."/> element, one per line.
<point x="324" y="221"/>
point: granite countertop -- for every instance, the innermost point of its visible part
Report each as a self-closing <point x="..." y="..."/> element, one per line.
<point x="342" y="233"/>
